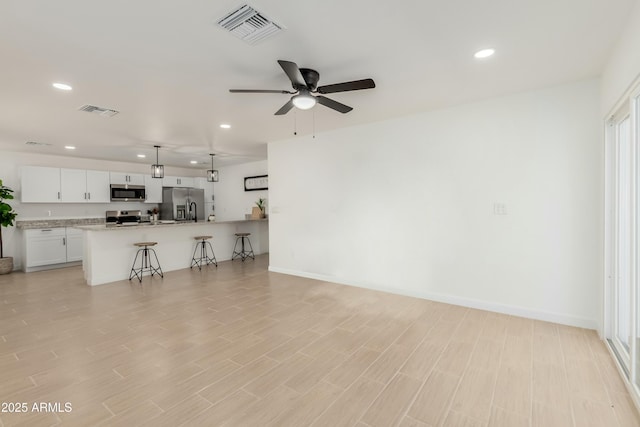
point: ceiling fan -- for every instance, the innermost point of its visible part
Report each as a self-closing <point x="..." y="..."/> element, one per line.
<point x="304" y="82"/>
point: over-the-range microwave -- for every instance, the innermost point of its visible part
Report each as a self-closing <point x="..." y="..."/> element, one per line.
<point x="128" y="193"/>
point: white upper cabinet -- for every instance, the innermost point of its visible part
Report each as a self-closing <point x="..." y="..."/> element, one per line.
<point x="178" y="181"/>
<point x="126" y="178"/>
<point x="153" y="187"/>
<point x="47" y="185"/>
<point x="40" y="184"/>
<point x="84" y="186"/>
<point x="98" y="187"/>
<point x="73" y="185"/>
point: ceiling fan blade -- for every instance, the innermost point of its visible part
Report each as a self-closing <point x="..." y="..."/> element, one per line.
<point x="258" y="91"/>
<point x="347" y="86"/>
<point x="285" y="108"/>
<point x="335" y="105"/>
<point x="293" y="72"/>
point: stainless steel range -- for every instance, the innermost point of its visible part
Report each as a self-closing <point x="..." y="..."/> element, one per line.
<point x="123" y="217"/>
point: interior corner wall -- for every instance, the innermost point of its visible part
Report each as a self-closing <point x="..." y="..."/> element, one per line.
<point x="623" y="66"/>
<point x="412" y="205"/>
<point x="232" y="202"/>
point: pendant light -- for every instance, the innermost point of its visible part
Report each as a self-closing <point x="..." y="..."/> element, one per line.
<point x="212" y="174"/>
<point x="157" y="170"/>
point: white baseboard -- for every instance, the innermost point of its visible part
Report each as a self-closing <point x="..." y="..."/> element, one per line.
<point x="513" y="310"/>
<point x="52" y="266"/>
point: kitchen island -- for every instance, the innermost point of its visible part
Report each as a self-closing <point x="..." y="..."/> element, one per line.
<point x="109" y="250"/>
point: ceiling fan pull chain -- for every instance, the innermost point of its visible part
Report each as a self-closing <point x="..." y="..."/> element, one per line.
<point x="314" y="124"/>
<point x="295" y="123"/>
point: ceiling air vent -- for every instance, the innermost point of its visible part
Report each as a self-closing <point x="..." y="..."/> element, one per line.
<point x="36" y="143"/>
<point x="249" y="25"/>
<point x="104" y="112"/>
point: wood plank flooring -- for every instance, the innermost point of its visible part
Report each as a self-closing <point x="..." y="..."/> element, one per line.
<point x="239" y="346"/>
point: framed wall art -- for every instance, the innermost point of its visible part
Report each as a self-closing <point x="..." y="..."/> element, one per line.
<point x="255" y="183"/>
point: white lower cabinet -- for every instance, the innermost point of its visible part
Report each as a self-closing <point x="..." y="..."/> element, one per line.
<point x="51" y="246"/>
<point x="74" y="244"/>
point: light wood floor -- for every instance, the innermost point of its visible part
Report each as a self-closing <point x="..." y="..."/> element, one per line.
<point x="239" y="346"/>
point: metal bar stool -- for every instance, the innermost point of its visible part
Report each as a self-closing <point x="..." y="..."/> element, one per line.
<point x="146" y="263"/>
<point x="204" y="257"/>
<point x="243" y="253"/>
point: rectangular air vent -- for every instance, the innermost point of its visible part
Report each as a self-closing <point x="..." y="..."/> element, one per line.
<point x="249" y="25"/>
<point x="36" y="143"/>
<point x="105" y="112"/>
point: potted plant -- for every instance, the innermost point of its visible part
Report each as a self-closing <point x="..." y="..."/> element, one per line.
<point x="7" y="215"/>
<point x="259" y="212"/>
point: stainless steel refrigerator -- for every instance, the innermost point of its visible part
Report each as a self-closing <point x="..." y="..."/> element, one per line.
<point x="182" y="204"/>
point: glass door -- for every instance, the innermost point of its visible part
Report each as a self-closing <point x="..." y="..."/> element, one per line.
<point x="622" y="232"/>
<point x="622" y="322"/>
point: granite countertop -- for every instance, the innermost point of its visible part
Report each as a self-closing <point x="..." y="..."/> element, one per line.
<point x="57" y="223"/>
<point x="103" y="227"/>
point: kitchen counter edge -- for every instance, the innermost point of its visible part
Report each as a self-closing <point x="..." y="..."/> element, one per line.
<point x="103" y="227"/>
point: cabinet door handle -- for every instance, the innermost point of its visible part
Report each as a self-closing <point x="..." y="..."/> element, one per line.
<point x="64" y="241"/>
<point x="85" y="196"/>
<point x="89" y="196"/>
<point x="48" y="229"/>
<point x="58" y="195"/>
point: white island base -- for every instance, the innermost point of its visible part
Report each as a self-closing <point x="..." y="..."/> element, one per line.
<point x="109" y="251"/>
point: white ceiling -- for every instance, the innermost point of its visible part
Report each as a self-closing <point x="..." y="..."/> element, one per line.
<point x="167" y="67"/>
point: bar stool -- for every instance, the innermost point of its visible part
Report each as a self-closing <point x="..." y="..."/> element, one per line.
<point x="243" y="253"/>
<point x="145" y="261"/>
<point x="204" y="257"/>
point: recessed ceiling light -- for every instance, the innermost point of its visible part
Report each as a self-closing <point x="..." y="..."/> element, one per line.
<point x="225" y="126"/>
<point x="69" y="147"/>
<point x="194" y="162"/>
<point x="62" y="86"/>
<point x="484" y="53"/>
<point x="142" y="156"/>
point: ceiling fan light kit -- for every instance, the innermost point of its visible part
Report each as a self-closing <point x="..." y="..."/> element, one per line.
<point x="305" y="82"/>
<point x="304" y="100"/>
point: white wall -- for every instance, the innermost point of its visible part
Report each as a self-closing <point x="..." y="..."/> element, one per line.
<point x="623" y="66"/>
<point x="406" y="205"/>
<point x="231" y="201"/>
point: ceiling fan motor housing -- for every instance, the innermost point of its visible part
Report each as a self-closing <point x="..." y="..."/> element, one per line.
<point x="311" y="77"/>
